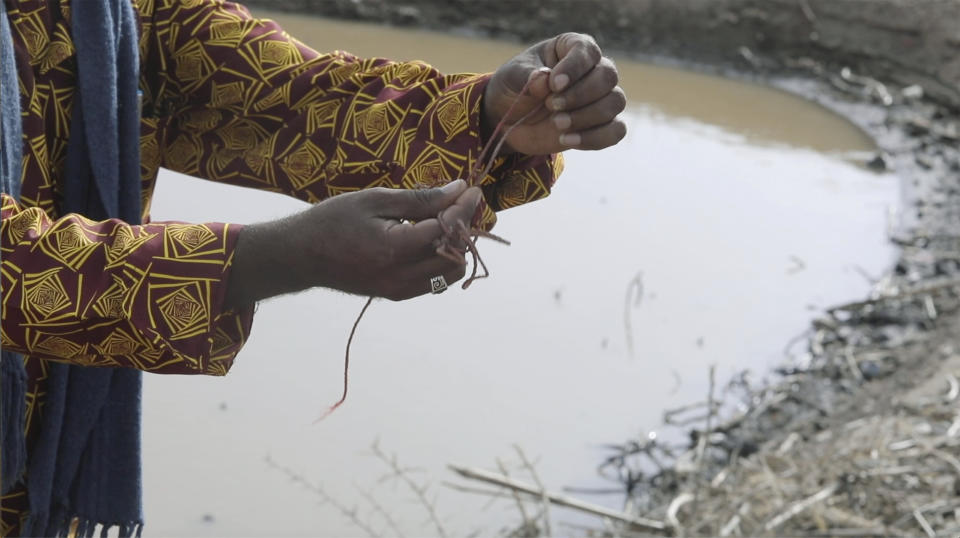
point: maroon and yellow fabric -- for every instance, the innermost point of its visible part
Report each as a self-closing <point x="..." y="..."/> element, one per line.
<point x="227" y="98"/>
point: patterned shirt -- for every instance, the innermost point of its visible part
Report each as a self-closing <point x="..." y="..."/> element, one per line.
<point x="228" y="98"/>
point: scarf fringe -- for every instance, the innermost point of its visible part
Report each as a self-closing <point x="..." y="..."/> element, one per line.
<point x="79" y="527"/>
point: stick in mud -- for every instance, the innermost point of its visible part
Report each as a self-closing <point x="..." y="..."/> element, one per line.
<point x="632" y="299"/>
<point x="560" y="500"/>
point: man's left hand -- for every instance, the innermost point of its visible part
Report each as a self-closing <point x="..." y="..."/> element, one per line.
<point x="578" y="88"/>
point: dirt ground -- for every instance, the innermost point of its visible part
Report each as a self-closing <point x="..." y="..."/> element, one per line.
<point x="859" y="435"/>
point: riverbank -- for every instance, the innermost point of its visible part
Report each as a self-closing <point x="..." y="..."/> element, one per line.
<point x="858" y="433"/>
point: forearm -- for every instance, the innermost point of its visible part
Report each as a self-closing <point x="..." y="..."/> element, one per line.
<point x="269" y="112"/>
<point x="113" y="294"/>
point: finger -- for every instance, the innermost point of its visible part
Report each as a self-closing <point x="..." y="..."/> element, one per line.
<point x="538" y="83"/>
<point x="595" y="85"/>
<point x="597" y="137"/>
<point x="415" y="241"/>
<point x="463" y="209"/>
<point x="416" y="204"/>
<point x="595" y="114"/>
<point x="577" y="54"/>
<point x="521" y="99"/>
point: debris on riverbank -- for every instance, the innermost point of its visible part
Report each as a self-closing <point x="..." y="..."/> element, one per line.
<point x="860" y="438"/>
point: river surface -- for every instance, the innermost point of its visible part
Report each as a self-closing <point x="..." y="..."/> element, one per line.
<point x="740" y="205"/>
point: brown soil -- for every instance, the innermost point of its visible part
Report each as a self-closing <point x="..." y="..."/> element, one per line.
<point x="862" y="436"/>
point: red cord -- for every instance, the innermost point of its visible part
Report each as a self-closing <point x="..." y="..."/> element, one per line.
<point x="462" y="234"/>
<point x="346" y="364"/>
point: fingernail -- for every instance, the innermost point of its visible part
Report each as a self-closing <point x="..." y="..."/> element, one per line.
<point x="570" y="139"/>
<point x="453" y="186"/>
<point x="557" y="103"/>
<point x="560" y="81"/>
<point x="471" y="197"/>
<point x="562" y="121"/>
<point x="476" y="192"/>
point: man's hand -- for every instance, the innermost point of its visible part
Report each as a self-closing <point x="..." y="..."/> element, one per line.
<point x="362" y="242"/>
<point x="580" y="94"/>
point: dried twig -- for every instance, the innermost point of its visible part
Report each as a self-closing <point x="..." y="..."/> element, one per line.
<point x="419" y="490"/>
<point x="930" y="287"/>
<point x="855" y="533"/>
<point x="560" y="500"/>
<point x="705" y="437"/>
<point x="730" y="526"/>
<point x="949" y="458"/>
<point x="670" y="413"/>
<point x="929" y="307"/>
<point x="514" y="494"/>
<point x="496" y="493"/>
<point x="543" y="490"/>
<point x="349" y="513"/>
<point x="378" y="508"/>
<point x="852" y="364"/>
<point x="799" y="507"/>
<point x="954" y="389"/>
<point x="675" y="505"/>
<point x="632" y="299"/>
<point x="808" y="11"/>
<point x="924" y="524"/>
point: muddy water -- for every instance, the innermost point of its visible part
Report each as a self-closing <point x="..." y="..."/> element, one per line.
<point x="733" y="201"/>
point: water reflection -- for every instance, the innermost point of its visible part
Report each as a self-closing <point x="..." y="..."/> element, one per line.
<point x="535" y="355"/>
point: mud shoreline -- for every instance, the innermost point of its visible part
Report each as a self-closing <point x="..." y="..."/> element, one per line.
<point x="823" y="449"/>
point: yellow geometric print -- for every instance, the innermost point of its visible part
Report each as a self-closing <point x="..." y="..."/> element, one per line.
<point x="43" y="296"/>
<point x="183" y="308"/>
<point x="304" y="166"/>
<point x="184" y="241"/>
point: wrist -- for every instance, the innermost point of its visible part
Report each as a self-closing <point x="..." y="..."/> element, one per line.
<point x="489" y="119"/>
<point x="263" y="265"/>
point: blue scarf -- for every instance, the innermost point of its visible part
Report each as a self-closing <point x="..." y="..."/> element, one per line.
<point x="85" y="464"/>
<point x="13" y="377"/>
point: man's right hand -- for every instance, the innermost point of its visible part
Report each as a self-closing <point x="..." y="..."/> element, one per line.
<point x="361" y="242"/>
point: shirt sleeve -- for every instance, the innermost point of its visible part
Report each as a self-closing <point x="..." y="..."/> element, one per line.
<point x="241" y="101"/>
<point x="111" y="294"/>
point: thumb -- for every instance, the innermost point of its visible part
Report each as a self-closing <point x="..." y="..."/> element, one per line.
<point x="419" y="204"/>
<point x="538" y="85"/>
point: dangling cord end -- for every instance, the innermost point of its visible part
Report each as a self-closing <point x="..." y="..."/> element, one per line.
<point x="346" y="364"/>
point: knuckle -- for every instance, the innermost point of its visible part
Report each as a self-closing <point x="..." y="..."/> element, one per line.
<point x="424" y="196"/>
<point x="617" y="102"/>
<point x="585" y="42"/>
<point x="569" y="39"/>
<point x="609" y="75"/>
<point x="592" y="49"/>
<point x="379" y="196"/>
